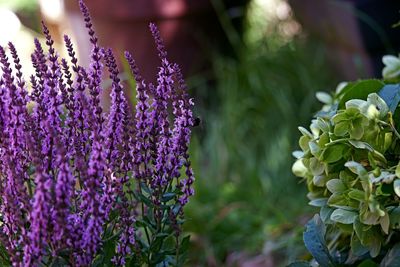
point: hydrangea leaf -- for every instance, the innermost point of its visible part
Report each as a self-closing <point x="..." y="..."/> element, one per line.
<point x="335" y="186"/>
<point x="398" y="170"/>
<point x="392" y="258"/>
<point x="357" y="194"/>
<point x="343" y="216"/>
<point x="319" y="202"/>
<point x="356" y="247"/>
<point x="396" y="186"/>
<point x="360" y="90"/>
<point x="385" y="223"/>
<point x="314" y="239"/>
<point x="342" y="128"/>
<point x="316" y="167"/>
<point x="332" y="153"/>
<point x="394" y="216"/>
<point x="325" y="214"/>
<point x="324" y="97"/>
<point x="361" y="145"/>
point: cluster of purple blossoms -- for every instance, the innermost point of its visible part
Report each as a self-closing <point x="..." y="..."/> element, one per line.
<point x="74" y="178"/>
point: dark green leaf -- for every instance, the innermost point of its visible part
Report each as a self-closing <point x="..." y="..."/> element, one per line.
<point x="368" y="263"/>
<point x="332" y="153"/>
<point x="392" y="258"/>
<point x="167" y="197"/>
<point x="314" y="240"/>
<point x="360" y="90"/>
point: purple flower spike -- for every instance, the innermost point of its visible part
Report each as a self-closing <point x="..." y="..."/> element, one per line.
<point x="75" y="179"/>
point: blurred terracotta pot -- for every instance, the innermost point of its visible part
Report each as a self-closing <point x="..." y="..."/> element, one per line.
<point x="123" y="25"/>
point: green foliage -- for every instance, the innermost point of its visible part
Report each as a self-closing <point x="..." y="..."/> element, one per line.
<point x="314" y="239"/>
<point x="350" y="162"/>
<point x="243" y="154"/>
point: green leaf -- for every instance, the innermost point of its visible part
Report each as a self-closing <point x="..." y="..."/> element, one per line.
<point x="319" y="202"/>
<point x="390" y="93"/>
<point x="356" y="247"/>
<point x="184" y="244"/>
<point x="360" y="90"/>
<point x="341" y="129"/>
<point x="335" y="186"/>
<point x="368" y="263"/>
<point x="303" y="142"/>
<point x="343" y="216"/>
<point x="316" y="167"/>
<point x="324" y="97"/>
<point x="320" y="180"/>
<point x="58" y="261"/>
<point x="314" y="239"/>
<point x="394" y="216"/>
<point x="337" y="199"/>
<point x="398" y="170"/>
<point x="332" y="153"/>
<point x="392" y="258"/>
<point x="356" y="168"/>
<point x="325" y="213"/>
<point x="357" y="195"/>
<point x="396" y="186"/>
<point x="385" y="223"/>
<point x="356" y="131"/>
<point x="305" y="132"/>
<point x="168" y="196"/>
<point x="361" y="145"/>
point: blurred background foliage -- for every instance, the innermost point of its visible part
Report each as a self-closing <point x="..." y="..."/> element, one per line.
<point x="248" y="208"/>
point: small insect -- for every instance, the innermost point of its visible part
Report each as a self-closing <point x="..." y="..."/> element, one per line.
<point x="196" y="122"/>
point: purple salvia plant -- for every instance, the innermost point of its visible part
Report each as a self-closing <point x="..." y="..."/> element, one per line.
<point x="81" y="186"/>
